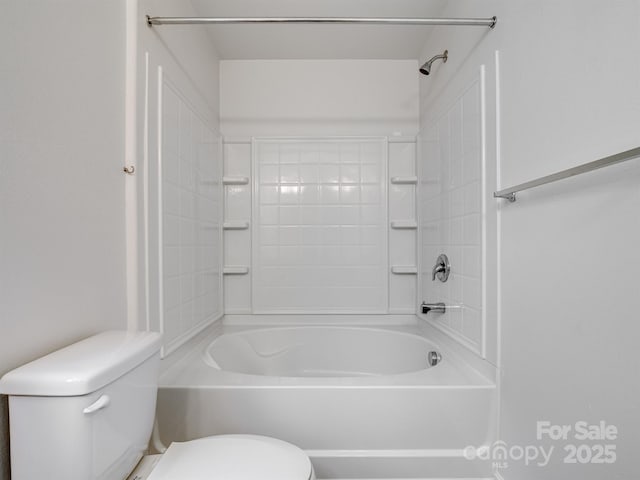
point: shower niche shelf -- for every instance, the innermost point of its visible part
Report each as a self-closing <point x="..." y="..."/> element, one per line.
<point x="404" y="180"/>
<point x="235" y="225"/>
<point x="235" y="180"/>
<point x="404" y="224"/>
<point x="236" y="270"/>
<point x="404" y="270"/>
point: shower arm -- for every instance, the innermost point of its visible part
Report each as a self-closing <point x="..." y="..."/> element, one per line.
<point x="442" y="56"/>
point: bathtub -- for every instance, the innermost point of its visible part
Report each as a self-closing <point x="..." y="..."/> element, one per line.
<point x="362" y="401"/>
<point x="321" y="351"/>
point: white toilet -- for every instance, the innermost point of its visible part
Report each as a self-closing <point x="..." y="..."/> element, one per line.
<point x="86" y="412"/>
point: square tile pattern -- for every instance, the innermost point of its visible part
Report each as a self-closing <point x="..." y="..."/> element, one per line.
<point x="320" y="225"/>
<point x="451" y="215"/>
<point x="191" y="219"/>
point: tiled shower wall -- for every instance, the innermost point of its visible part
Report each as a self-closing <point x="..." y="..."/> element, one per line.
<point x="325" y="102"/>
<point x="333" y="222"/>
<point x="191" y="217"/>
<point x="451" y="165"/>
<point x="319" y="236"/>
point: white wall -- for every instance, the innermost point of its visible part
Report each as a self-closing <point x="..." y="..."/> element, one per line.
<point x="568" y="94"/>
<point x="320" y="98"/>
<point x="62" y="246"/>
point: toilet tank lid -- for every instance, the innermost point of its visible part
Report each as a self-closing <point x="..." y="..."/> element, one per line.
<point x="83" y="367"/>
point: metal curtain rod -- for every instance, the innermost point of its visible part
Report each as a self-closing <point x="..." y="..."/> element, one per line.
<point x="510" y="193"/>
<point x="477" y="22"/>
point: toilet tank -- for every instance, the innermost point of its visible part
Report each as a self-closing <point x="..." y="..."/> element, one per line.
<point x="84" y="412"/>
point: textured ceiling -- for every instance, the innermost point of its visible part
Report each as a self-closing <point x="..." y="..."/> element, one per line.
<point x="318" y="41"/>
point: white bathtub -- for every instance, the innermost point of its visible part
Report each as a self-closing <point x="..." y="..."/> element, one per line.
<point x="320" y="351"/>
<point x="362" y="401"/>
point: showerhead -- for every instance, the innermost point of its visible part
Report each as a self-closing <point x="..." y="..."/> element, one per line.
<point x="425" y="69"/>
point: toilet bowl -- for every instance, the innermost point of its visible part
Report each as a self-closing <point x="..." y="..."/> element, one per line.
<point x="232" y="457"/>
<point x="86" y="413"/>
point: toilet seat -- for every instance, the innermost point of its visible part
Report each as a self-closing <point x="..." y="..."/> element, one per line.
<point x="233" y="457"/>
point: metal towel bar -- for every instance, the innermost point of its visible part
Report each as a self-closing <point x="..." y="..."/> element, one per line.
<point x="510" y="193"/>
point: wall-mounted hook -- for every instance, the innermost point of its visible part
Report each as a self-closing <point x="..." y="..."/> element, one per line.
<point x="129" y="170"/>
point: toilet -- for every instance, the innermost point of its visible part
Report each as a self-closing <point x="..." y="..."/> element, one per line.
<point x="86" y="412"/>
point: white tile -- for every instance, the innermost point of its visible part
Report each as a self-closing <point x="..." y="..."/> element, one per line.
<point x="472" y="292"/>
<point x="472" y="230"/>
<point x="171" y="261"/>
<point x="329" y="173"/>
<point x="187" y="259"/>
<point x="330" y="194"/>
<point x="310" y="215"/>
<point x="472" y="325"/>
<point x="170" y="121"/>
<point x="171" y="292"/>
<point x="309" y="194"/>
<point x="472" y="262"/>
<point x="289" y="215"/>
<point x="269" y="174"/>
<point x="268" y="215"/>
<point x="349" y="194"/>
<point x="185" y="133"/>
<point x="350" y="173"/>
<point x="187" y="204"/>
<point x="171" y="230"/>
<point x="170" y="167"/>
<point x="289" y="194"/>
<point x="170" y="199"/>
<point x="309" y="173"/>
<point x="289" y="173"/>
<point x="472" y="200"/>
<point x="349" y="215"/>
<point x="269" y="235"/>
<point x="269" y="194"/>
<point x="289" y="235"/>
<point x="349" y="153"/>
<point x="349" y="235"/>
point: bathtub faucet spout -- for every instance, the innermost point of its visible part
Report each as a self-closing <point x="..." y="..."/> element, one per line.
<point x="433" y="307"/>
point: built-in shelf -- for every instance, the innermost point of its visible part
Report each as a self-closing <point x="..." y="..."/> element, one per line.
<point x="404" y="270"/>
<point x="404" y="224"/>
<point x="235" y="270"/>
<point x="236" y="225"/>
<point x="408" y="180"/>
<point x="235" y="180"/>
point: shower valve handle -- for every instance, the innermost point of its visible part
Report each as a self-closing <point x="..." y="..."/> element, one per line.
<point x="441" y="269"/>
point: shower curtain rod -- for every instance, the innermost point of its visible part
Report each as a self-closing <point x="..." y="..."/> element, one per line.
<point x="474" y="22"/>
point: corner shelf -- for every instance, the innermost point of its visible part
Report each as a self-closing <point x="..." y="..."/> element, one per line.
<point x="236" y="225"/>
<point x="404" y="224"/>
<point x="233" y="180"/>
<point x="408" y="180"/>
<point x="235" y="270"/>
<point x="404" y="270"/>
